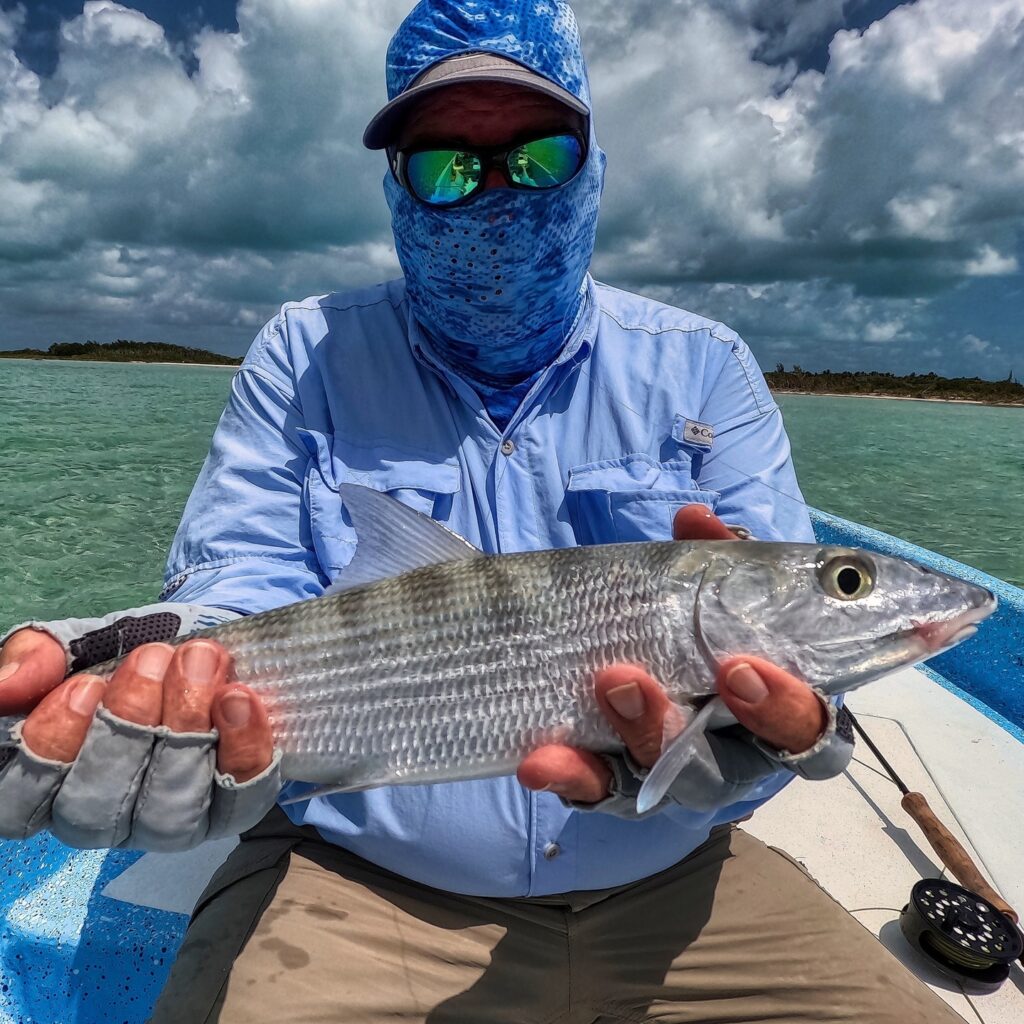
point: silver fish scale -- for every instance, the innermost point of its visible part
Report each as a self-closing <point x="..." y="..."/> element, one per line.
<point x="458" y="670"/>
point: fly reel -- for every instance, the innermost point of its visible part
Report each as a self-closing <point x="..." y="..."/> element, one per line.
<point x="963" y="935"/>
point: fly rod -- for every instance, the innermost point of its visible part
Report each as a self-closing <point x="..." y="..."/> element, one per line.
<point x="951" y="925"/>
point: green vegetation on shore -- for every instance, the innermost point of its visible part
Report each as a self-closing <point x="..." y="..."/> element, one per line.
<point x="916" y="385"/>
<point x="861" y="382"/>
<point x="123" y="351"/>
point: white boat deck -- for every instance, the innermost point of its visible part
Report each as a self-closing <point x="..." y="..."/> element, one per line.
<point x="854" y="837"/>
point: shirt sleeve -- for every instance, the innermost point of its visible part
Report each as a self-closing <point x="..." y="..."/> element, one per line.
<point x="243" y="543"/>
<point x="750" y="464"/>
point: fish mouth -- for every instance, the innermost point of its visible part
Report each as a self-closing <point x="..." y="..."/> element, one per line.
<point x="931" y="636"/>
<point x="905" y="647"/>
<point x="945" y="633"/>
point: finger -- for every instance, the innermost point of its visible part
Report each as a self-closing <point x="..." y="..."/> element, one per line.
<point x="246" y="745"/>
<point x="32" y="664"/>
<point x="639" y="709"/>
<point x="574" y="774"/>
<point x="136" y="691"/>
<point x="774" y="705"/>
<point x="56" y="729"/>
<point x="197" y="670"/>
<point x="698" y="522"/>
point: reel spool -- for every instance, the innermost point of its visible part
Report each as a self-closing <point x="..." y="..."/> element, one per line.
<point x="963" y="935"/>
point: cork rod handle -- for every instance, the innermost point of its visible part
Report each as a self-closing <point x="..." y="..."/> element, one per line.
<point x="952" y="854"/>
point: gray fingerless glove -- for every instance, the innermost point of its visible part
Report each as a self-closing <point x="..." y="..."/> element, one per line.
<point x="131" y="786"/>
<point x="727" y="766"/>
<point x="89" y="642"/>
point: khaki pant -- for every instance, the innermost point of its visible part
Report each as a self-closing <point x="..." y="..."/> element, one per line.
<point x="293" y="929"/>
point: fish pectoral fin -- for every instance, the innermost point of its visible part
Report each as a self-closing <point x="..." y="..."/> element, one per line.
<point x="675" y="756"/>
<point x="392" y="538"/>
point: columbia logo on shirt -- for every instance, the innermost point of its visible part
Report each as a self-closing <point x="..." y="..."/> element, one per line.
<point x="699" y="433"/>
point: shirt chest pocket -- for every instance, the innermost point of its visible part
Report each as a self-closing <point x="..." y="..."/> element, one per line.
<point x="631" y="499"/>
<point x="416" y="479"/>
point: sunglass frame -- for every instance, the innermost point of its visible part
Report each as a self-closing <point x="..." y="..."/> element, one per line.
<point x="489" y="156"/>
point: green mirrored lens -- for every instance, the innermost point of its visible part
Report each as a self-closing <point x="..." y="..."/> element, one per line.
<point x="443" y="176"/>
<point x="546" y="163"/>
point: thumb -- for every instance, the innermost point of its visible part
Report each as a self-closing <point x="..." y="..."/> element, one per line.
<point x="32" y="663"/>
<point x="775" y="706"/>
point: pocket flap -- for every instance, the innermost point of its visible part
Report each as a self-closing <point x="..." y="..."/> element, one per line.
<point x="632" y="472"/>
<point x="383" y="466"/>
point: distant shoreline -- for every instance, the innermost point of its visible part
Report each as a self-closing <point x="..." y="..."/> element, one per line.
<point x="920" y="387"/>
<point x="124" y="350"/>
<point x="898" y="398"/>
<point x="117" y="362"/>
<point x="1004" y="394"/>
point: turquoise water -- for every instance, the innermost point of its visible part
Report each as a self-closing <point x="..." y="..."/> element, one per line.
<point x="96" y="461"/>
<point x="947" y="476"/>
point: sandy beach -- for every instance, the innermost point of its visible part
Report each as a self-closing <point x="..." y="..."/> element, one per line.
<point x="898" y="398"/>
<point x="121" y="362"/>
<point x="146" y="362"/>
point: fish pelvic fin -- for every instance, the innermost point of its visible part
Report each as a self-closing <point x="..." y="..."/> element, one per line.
<point x="392" y="538"/>
<point x="675" y="756"/>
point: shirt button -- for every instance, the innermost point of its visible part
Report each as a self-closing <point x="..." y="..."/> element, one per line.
<point x="507" y="447"/>
<point x="551" y="851"/>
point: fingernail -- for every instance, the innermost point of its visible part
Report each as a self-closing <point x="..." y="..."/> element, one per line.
<point x="236" y="709"/>
<point x="628" y="700"/>
<point x="86" y="696"/>
<point x="200" y="662"/>
<point x="153" y="660"/>
<point x="8" y="670"/>
<point x="744" y="682"/>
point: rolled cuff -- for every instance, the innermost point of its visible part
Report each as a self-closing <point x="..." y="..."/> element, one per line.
<point x="829" y="756"/>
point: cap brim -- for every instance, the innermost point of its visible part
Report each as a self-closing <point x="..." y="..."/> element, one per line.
<point x="381" y="131"/>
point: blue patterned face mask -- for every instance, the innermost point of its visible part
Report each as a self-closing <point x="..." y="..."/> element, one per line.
<point x="497" y="283"/>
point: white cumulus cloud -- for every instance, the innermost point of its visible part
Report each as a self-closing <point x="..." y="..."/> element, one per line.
<point x="822" y="213"/>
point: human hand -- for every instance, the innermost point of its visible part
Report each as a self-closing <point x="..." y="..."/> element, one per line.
<point x="775" y="706"/>
<point x="153" y="737"/>
<point x="185" y="688"/>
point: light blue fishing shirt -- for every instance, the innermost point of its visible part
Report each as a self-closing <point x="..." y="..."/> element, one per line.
<point x="646" y="408"/>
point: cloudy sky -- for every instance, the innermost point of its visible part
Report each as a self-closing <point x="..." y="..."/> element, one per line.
<point x="842" y="181"/>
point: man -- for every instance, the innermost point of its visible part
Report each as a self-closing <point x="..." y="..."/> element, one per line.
<point x="499" y="389"/>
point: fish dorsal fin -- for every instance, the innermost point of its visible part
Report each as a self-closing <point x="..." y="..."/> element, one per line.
<point x="392" y="538"/>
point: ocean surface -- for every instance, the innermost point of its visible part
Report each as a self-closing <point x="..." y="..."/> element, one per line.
<point x="97" y="460"/>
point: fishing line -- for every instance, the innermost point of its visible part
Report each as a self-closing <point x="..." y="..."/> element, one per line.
<point x="961" y="934"/>
<point x="718" y="458"/>
<point x="640" y="416"/>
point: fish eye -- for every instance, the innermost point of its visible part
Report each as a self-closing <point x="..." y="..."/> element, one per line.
<point x="847" y="578"/>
